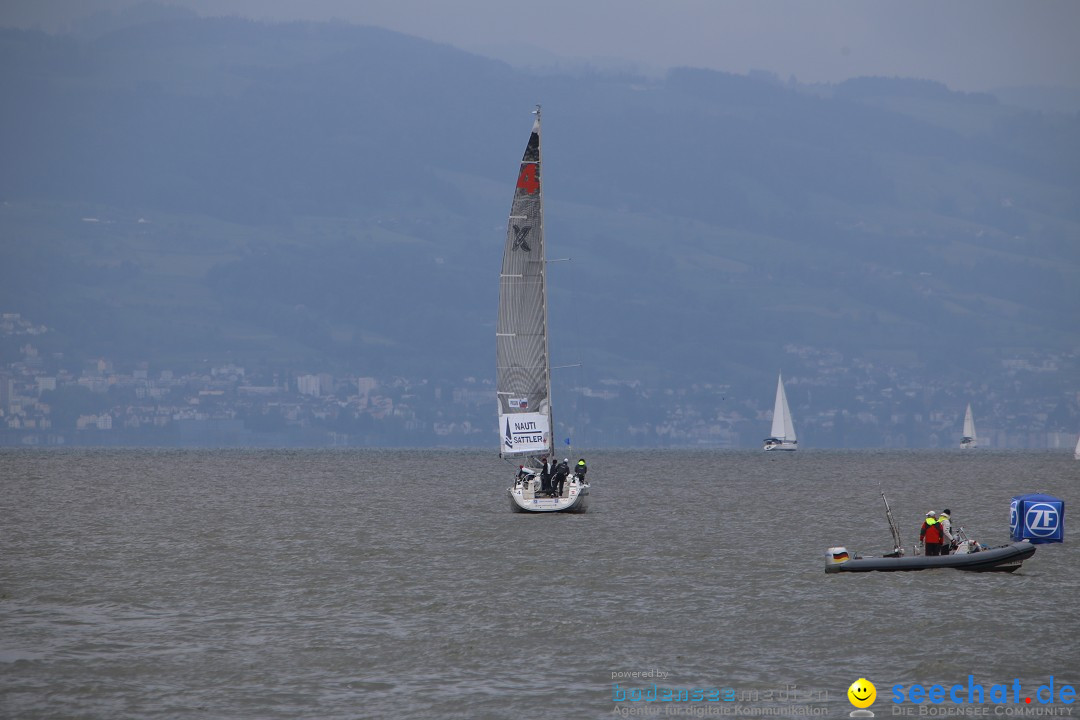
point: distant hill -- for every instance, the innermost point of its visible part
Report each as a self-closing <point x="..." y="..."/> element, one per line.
<point x="183" y="189"/>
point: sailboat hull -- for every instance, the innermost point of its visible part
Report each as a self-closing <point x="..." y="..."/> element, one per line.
<point x="774" y="444"/>
<point x="523" y="498"/>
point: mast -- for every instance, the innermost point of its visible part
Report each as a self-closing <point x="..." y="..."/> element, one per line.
<point x="898" y="546"/>
<point x="543" y="280"/>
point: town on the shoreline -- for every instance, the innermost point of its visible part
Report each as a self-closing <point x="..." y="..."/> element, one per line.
<point x="838" y="403"/>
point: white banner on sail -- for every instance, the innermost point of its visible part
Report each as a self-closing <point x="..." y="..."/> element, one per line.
<point x="525" y="432"/>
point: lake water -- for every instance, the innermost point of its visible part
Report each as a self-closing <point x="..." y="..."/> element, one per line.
<point x="398" y="584"/>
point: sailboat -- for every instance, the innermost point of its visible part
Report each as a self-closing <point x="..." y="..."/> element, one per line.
<point x="523" y="366"/>
<point x="1076" y="452"/>
<point x="968" y="441"/>
<point x="783" y="430"/>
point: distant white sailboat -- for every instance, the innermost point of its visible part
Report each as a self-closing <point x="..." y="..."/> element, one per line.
<point x="1076" y="452"/>
<point x="783" y="430"/>
<point x="968" y="441"/>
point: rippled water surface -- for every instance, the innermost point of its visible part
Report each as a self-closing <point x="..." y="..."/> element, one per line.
<point x="323" y="584"/>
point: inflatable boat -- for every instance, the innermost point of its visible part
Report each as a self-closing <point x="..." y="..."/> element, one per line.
<point x="1006" y="558"/>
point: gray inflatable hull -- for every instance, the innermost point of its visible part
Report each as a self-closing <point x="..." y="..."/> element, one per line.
<point x="1006" y="558"/>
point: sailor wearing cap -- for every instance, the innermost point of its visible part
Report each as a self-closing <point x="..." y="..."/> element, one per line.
<point x="931" y="534"/>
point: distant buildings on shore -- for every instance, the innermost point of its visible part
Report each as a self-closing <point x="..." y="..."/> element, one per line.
<point x="43" y="402"/>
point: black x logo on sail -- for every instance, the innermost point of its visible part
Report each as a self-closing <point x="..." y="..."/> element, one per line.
<point x="520" y="235"/>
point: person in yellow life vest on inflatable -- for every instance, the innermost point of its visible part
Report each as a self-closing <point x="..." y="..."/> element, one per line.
<point x="930" y="535"/>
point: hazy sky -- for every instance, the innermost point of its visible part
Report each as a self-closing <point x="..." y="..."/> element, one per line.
<point x="967" y="44"/>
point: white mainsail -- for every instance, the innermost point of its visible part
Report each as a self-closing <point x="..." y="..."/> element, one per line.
<point x="969" y="440"/>
<point x="783" y="429"/>
<point x="523" y="371"/>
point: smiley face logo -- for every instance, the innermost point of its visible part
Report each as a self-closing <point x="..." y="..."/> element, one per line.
<point x="862" y="693"/>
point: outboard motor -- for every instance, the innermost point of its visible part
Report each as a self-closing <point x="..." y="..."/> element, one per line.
<point x="1037" y="518"/>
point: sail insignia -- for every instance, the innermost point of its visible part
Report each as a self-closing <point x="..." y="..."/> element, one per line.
<point x="529" y="180"/>
<point x="520" y="237"/>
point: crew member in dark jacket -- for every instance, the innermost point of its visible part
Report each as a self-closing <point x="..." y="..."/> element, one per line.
<point x="561" y="471"/>
<point x="545" y="476"/>
<point x="580" y="469"/>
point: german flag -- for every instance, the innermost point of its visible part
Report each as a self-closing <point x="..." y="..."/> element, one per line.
<point x="840" y="557"/>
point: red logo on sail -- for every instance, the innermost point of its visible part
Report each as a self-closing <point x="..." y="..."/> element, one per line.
<point x="527" y="180"/>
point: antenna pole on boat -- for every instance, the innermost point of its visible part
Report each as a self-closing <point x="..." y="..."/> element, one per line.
<point x="898" y="546"/>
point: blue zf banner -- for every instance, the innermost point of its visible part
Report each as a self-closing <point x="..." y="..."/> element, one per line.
<point x="1038" y="518"/>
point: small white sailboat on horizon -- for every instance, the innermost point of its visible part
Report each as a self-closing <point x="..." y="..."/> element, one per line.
<point x="1076" y="452"/>
<point x="783" y="429"/>
<point x="523" y="365"/>
<point x="968" y="441"/>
